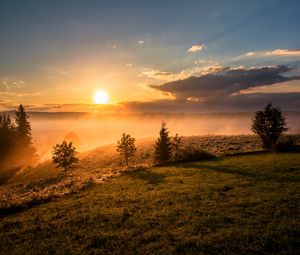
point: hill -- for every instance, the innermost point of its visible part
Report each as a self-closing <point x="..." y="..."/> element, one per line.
<point x="24" y="187"/>
<point x="106" y="158"/>
<point x="247" y="204"/>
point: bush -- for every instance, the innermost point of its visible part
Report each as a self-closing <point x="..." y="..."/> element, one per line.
<point x="269" y="124"/>
<point x="285" y="144"/>
<point x="192" y="154"/>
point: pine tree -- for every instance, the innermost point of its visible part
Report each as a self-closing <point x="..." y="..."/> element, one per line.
<point x="126" y="147"/>
<point x="163" y="146"/>
<point x="7" y="136"/>
<point x="23" y="128"/>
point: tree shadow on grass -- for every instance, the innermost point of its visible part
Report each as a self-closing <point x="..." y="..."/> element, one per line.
<point x="221" y="169"/>
<point x="148" y="176"/>
<point x="259" y="176"/>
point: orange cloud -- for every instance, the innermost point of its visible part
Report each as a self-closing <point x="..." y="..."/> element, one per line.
<point x="195" y="48"/>
<point x="277" y="52"/>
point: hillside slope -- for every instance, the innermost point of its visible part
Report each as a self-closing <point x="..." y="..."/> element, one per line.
<point x="237" y="205"/>
<point x="105" y="158"/>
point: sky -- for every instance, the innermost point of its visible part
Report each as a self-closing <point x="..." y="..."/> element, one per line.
<point x="150" y="56"/>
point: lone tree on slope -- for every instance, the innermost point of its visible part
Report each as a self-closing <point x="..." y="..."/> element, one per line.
<point x="163" y="146"/>
<point x="64" y="155"/>
<point x="126" y="147"/>
<point x="269" y="124"/>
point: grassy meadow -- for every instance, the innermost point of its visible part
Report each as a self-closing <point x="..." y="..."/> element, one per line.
<point x="245" y="204"/>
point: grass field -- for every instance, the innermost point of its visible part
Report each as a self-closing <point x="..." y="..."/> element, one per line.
<point x="235" y="205"/>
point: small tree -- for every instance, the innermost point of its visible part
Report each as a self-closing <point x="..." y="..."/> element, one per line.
<point x="176" y="145"/>
<point x="269" y="124"/>
<point x="163" y="146"/>
<point x="64" y="155"/>
<point x="126" y="147"/>
<point x="23" y="127"/>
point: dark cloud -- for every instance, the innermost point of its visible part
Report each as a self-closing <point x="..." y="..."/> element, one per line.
<point x="225" y="82"/>
<point x="253" y="102"/>
<point x="243" y="102"/>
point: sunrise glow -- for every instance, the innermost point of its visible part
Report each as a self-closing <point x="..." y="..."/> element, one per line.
<point x="168" y="127"/>
<point x="101" y="97"/>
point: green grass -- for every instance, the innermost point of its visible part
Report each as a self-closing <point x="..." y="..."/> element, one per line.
<point x="237" y="205"/>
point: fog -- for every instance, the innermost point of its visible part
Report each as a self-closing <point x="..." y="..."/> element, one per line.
<point x="89" y="131"/>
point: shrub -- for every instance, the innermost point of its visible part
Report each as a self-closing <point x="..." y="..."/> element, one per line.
<point x="269" y="124"/>
<point x="176" y="147"/>
<point x="192" y="154"/>
<point x="285" y="144"/>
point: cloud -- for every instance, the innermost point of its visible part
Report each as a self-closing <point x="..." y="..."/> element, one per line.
<point x="163" y="76"/>
<point x="23" y="94"/>
<point x="220" y="82"/>
<point x="158" y="75"/>
<point x="8" y="84"/>
<point x="195" y="48"/>
<point x="140" y="41"/>
<point x="285" y="52"/>
<point x="6" y="106"/>
<point x="250" y="102"/>
<point x="274" y="53"/>
<point x="245" y="102"/>
<point x="200" y="61"/>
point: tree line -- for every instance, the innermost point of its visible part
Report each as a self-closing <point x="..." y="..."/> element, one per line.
<point x="15" y="139"/>
<point x="269" y="124"/>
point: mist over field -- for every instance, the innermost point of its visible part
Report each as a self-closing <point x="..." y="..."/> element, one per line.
<point x="89" y="131"/>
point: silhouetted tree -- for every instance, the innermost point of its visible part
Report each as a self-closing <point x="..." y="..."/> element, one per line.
<point x="176" y="145"/>
<point x="7" y="136"/>
<point x="15" y="140"/>
<point x="64" y="155"/>
<point x="126" y="147"/>
<point x="23" y="127"/>
<point x="269" y="124"/>
<point x="163" y="146"/>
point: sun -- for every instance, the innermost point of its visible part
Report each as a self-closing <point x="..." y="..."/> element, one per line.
<point x="101" y="97"/>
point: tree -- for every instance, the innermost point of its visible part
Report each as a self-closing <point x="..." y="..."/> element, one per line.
<point x="163" y="146"/>
<point x="269" y="124"/>
<point x="7" y="136"/>
<point x="176" y="145"/>
<point x="23" y="128"/>
<point x="16" y="148"/>
<point x="126" y="147"/>
<point x="64" y="155"/>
